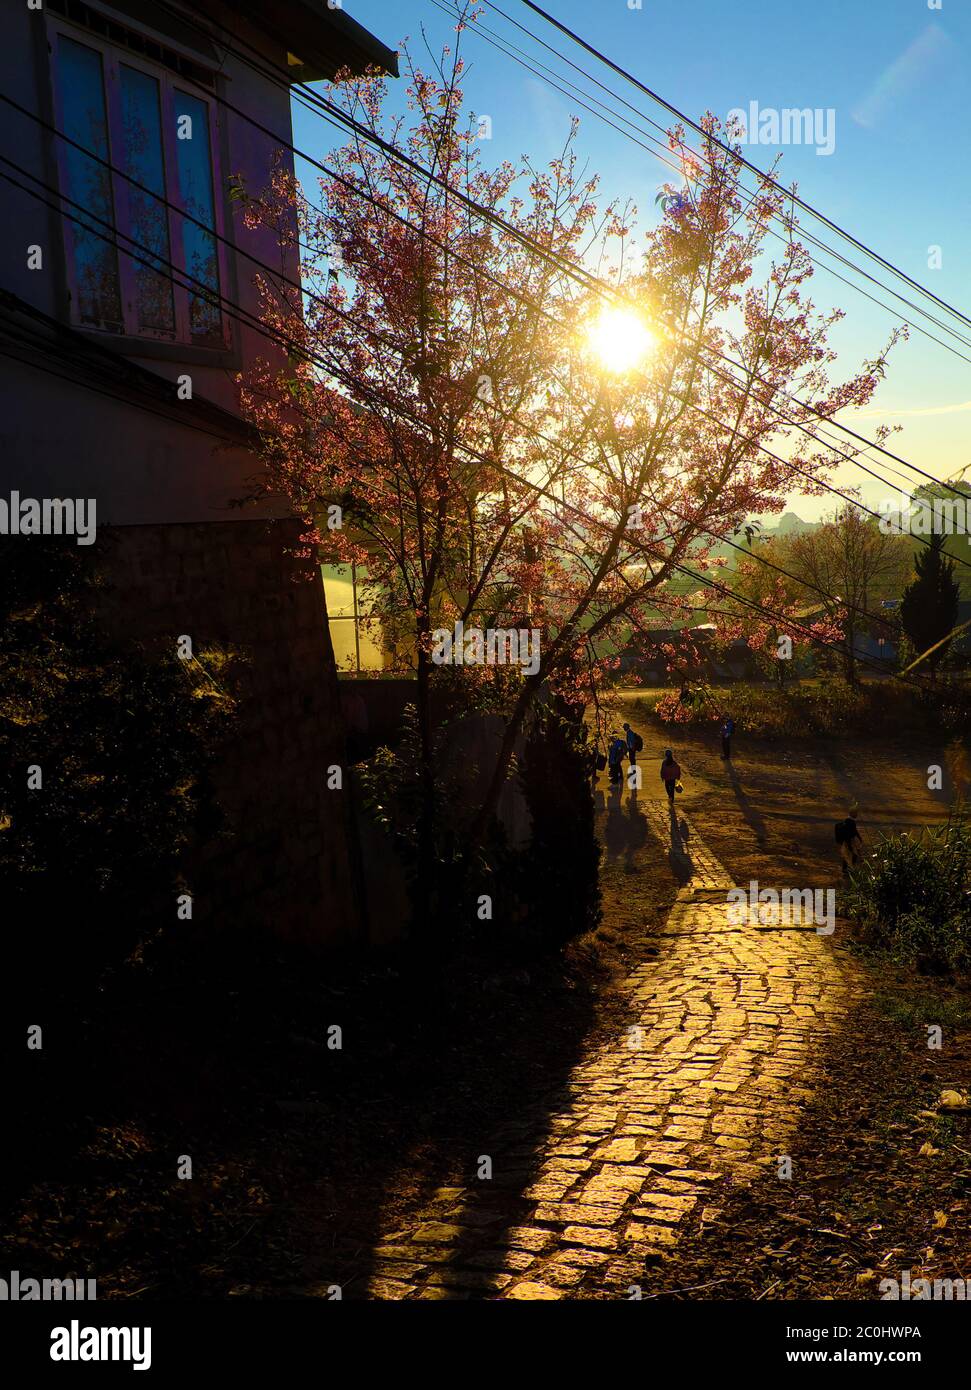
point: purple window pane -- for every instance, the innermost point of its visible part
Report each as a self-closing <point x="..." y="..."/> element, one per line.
<point x="145" y="162"/>
<point x="195" y="191"/>
<point x="88" y="184"/>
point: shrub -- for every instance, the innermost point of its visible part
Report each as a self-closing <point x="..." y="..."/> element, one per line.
<point x="558" y="878"/>
<point x="122" y="740"/>
<point x="541" y="895"/>
<point x="829" y="707"/>
<point x="912" y="896"/>
<point x="392" y="786"/>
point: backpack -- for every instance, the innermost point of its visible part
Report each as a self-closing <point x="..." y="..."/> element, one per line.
<point x="842" y="832"/>
<point x="638" y="743"/>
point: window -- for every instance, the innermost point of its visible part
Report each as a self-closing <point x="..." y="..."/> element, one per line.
<point x="354" y="638"/>
<point x="160" y="139"/>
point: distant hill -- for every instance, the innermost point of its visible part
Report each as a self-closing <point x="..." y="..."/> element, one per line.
<point x="790" y="525"/>
<point x="732" y="550"/>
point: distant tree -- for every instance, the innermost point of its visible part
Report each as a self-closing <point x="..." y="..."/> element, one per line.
<point x="954" y="495"/>
<point x="842" y="565"/>
<point x="766" y="608"/>
<point x="946" y="508"/>
<point x="929" y="608"/>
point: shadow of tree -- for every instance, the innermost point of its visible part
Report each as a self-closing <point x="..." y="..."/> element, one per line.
<point x="305" y="1157"/>
<point x="749" y="811"/>
<point x="469" y="1123"/>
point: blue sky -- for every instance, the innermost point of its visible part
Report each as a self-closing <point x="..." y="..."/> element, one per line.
<point x="895" y="73"/>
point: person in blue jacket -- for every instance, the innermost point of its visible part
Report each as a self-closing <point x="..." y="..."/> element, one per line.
<point x="727" y="729"/>
<point x="615" y="757"/>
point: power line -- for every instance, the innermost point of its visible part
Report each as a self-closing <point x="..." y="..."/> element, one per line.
<point x="83" y="353"/>
<point x="155" y="260"/>
<point x="258" y="326"/>
<point x="78" y="380"/>
<point x="546" y="74"/>
<point x="666" y="562"/>
<point x="334" y="115"/>
<point x="479" y="28"/>
<point x="711" y="535"/>
<point x="734" y="154"/>
<point x="329" y="111"/>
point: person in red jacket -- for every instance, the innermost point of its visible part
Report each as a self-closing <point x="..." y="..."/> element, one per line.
<point x="670" y="773"/>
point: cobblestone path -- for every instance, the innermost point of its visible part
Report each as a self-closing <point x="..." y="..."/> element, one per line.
<point x="702" y="1088"/>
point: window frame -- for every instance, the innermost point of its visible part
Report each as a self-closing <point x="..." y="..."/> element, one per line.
<point x="113" y="58"/>
<point x="357" y="618"/>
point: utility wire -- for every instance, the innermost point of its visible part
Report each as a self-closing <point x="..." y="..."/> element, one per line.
<point x="632" y="133"/>
<point x="665" y="561"/>
<point x="740" y="159"/>
<point x="335" y="115"/>
<point x="153" y="261"/>
<point x="483" y="30"/>
<point x="258" y="326"/>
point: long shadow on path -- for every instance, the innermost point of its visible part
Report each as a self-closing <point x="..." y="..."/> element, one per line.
<point x="749" y="811"/>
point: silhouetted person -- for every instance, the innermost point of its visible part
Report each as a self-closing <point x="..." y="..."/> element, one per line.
<point x="615" y="757"/>
<point x="634" y="744"/>
<point x="850" y="841"/>
<point x="727" y="729"/>
<point x="670" y="774"/>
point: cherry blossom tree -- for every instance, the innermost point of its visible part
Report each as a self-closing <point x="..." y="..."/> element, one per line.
<point x="778" y="616"/>
<point x="529" y="418"/>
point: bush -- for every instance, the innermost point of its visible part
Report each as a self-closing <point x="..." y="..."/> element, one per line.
<point x="121" y="740"/>
<point x="558" y="878"/>
<point x="392" y="787"/>
<point x="541" y="895"/>
<point x="830" y="707"/>
<point x="912" y="896"/>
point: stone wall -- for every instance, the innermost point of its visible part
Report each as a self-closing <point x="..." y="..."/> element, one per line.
<point x="285" y="859"/>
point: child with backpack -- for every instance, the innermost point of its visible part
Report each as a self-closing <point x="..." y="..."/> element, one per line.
<point x="727" y="730"/>
<point x="848" y="838"/>
<point x="615" y="757"/>
<point x="634" y="744"/>
<point x="670" y="774"/>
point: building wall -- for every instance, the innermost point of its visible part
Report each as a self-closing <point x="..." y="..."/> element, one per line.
<point x="140" y="468"/>
<point x="283" y="861"/>
<point x="185" y="558"/>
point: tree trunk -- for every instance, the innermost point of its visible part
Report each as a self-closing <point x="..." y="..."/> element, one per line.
<point x="425" y="866"/>
<point x="488" y="808"/>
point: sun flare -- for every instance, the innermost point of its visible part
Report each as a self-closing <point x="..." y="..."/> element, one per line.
<point x="619" y="339"/>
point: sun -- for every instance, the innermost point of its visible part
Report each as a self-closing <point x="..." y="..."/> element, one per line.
<point x="619" y="339"/>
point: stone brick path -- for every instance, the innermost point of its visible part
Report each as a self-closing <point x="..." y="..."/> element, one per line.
<point x="704" y="1087"/>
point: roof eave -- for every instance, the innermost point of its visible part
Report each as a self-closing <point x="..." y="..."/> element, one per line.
<point x="327" y="41"/>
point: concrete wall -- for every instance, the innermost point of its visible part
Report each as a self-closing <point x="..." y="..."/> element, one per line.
<point x="139" y="467"/>
<point x="184" y="559"/>
<point x="284" y="861"/>
<point x="373" y="709"/>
